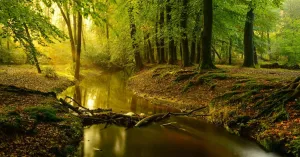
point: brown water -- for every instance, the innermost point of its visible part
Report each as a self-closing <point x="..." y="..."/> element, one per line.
<point x="186" y="137"/>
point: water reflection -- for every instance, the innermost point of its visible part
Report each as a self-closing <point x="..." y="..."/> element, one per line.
<point x="188" y="137"/>
<point x="109" y="91"/>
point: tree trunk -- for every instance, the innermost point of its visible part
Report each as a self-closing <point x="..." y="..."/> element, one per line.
<point x="156" y="40"/>
<point x="184" y="40"/>
<point x="171" y="45"/>
<point x="151" y="50"/>
<point x="206" y="60"/>
<point x="193" y="51"/>
<point x="137" y="56"/>
<point x="162" y="40"/>
<point x="230" y="52"/>
<point x="32" y="49"/>
<point x="146" y="48"/>
<point x="248" y="40"/>
<point x="255" y="56"/>
<point x="79" y="33"/>
<point x="66" y="17"/>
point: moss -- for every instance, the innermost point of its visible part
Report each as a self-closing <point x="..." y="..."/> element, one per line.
<point x="43" y="113"/>
<point x="294" y="147"/>
<point x="269" y="144"/>
<point x="10" y="123"/>
<point x="187" y="86"/>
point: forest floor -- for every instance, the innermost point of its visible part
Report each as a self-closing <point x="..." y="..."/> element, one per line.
<point x="254" y="103"/>
<point x="31" y="122"/>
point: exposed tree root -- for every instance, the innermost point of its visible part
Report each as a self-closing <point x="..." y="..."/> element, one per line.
<point x="276" y="102"/>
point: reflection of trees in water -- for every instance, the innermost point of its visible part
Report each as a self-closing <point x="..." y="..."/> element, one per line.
<point x="77" y="94"/>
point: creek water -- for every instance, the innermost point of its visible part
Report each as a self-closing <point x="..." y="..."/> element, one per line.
<point x="186" y="137"/>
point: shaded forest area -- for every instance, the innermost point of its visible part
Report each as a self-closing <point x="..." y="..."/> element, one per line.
<point x="227" y="55"/>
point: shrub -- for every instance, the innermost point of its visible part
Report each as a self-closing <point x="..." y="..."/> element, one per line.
<point x="50" y="72"/>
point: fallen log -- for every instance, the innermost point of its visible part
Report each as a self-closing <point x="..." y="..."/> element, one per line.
<point x="161" y="116"/>
<point x="75" y="109"/>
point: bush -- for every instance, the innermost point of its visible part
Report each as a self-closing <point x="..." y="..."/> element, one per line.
<point x="50" y="72"/>
<point x="5" y="56"/>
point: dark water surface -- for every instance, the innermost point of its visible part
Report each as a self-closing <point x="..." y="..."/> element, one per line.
<point x="185" y="137"/>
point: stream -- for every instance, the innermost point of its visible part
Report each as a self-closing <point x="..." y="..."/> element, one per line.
<point x="185" y="136"/>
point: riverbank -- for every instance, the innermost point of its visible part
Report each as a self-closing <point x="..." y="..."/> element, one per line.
<point x="32" y="123"/>
<point x="240" y="99"/>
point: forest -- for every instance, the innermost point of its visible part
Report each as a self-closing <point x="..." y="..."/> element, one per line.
<point x="126" y="78"/>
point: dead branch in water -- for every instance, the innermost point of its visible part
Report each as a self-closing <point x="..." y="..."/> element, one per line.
<point x="122" y="119"/>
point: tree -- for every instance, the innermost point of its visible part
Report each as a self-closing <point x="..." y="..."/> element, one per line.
<point x="137" y="56"/>
<point x="206" y="59"/>
<point x="248" y="40"/>
<point x="184" y="37"/>
<point x="23" y="20"/>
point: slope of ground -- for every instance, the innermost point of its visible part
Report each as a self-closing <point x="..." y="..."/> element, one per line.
<point x="31" y="122"/>
<point x="246" y="101"/>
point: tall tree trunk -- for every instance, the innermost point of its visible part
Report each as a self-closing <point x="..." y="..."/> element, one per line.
<point x="67" y="20"/>
<point x="206" y="60"/>
<point x="151" y="49"/>
<point x="248" y="40"/>
<point x="255" y="56"/>
<point x="196" y="30"/>
<point x="137" y="56"/>
<point x="157" y="43"/>
<point x="171" y="45"/>
<point x="162" y="40"/>
<point x="230" y="52"/>
<point x="146" y="48"/>
<point x="32" y="49"/>
<point x="184" y="40"/>
<point x="79" y="38"/>
<point x="193" y="51"/>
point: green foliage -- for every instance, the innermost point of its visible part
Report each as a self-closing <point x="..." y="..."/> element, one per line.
<point x="294" y="147"/>
<point x="5" y="56"/>
<point x="49" y="72"/>
<point x="42" y="113"/>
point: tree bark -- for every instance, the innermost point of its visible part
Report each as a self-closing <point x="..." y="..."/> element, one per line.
<point x="206" y="60"/>
<point x="193" y="51"/>
<point x="162" y="40"/>
<point x="66" y="18"/>
<point x="32" y="49"/>
<point x="230" y="52"/>
<point x="137" y="56"/>
<point x="77" y="67"/>
<point x="172" y="50"/>
<point x="248" y="40"/>
<point x="184" y="40"/>
<point x="255" y="56"/>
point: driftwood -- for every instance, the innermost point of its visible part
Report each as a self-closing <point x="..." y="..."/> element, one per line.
<point x="75" y="109"/>
<point x="125" y="120"/>
<point x="161" y="116"/>
<point x="85" y="110"/>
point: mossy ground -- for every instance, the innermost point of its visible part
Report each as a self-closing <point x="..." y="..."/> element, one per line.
<point x="232" y="94"/>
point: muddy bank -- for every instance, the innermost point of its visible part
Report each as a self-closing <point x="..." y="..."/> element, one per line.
<point x="240" y="99"/>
